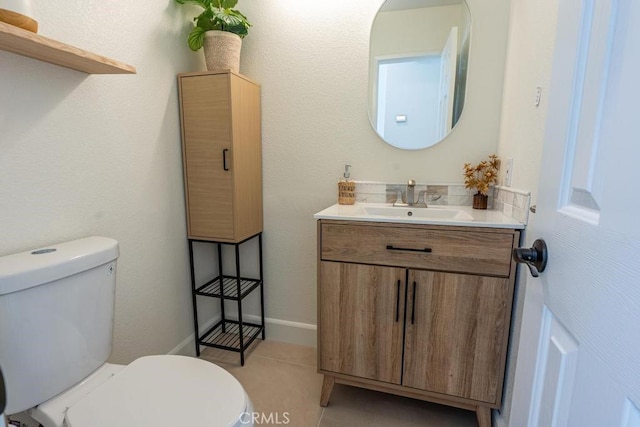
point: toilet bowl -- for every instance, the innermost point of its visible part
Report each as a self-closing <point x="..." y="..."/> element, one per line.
<point x="56" y="324"/>
<point x="151" y="391"/>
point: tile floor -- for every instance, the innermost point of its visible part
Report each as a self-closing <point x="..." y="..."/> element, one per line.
<point x="283" y="384"/>
<point x="282" y="381"/>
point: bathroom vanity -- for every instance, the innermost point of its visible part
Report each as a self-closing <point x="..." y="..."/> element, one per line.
<point x="416" y="303"/>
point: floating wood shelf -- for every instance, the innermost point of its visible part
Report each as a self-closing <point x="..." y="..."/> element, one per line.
<point x="25" y="43"/>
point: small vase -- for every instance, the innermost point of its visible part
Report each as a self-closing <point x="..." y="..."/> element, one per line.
<point x="480" y="201"/>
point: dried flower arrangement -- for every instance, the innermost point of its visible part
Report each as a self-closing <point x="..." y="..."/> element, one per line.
<point x="482" y="175"/>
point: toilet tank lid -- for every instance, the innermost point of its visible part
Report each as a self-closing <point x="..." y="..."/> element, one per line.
<point x="39" y="266"/>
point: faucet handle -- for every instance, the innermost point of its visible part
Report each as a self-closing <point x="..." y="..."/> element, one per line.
<point x="398" y="195"/>
<point x="411" y="183"/>
<point x="422" y="198"/>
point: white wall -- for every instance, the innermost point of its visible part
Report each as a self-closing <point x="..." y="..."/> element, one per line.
<point x="529" y="59"/>
<point x="414" y="30"/>
<point x="531" y="43"/>
<point x="100" y="155"/>
<point x="410" y="88"/>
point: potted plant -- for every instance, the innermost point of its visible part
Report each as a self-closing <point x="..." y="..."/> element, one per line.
<point x="220" y="29"/>
<point x="480" y="177"/>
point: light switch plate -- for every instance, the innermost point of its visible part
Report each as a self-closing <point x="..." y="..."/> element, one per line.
<point x="508" y="172"/>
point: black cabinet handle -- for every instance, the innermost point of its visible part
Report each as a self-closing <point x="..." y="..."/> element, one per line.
<point x="393" y="248"/>
<point x="398" y="302"/>
<point x="413" y="303"/>
<point x="224" y="159"/>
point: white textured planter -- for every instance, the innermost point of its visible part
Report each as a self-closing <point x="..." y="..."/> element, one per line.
<point x="222" y="51"/>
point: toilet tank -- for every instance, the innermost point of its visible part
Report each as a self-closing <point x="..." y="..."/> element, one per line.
<point x="56" y="317"/>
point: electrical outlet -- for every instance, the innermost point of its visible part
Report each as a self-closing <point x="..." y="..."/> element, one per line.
<point x="508" y="172"/>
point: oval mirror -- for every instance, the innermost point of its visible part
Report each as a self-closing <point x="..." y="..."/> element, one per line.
<point x="419" y="53"/>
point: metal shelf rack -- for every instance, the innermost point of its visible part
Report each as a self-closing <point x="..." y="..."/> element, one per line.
<point x="228" y="334"/>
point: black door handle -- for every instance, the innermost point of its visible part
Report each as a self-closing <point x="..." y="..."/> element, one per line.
<point x="535" y="257"/>
<point x="224" y="159"/>
<point x="3" y="395"/>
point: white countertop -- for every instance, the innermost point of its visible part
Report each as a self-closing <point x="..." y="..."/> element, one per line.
<point x="466" y="217"/>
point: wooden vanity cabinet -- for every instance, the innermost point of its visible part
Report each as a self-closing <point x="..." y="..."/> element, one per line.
<point x="222" y="155"/>
<point x="416" y="310"/>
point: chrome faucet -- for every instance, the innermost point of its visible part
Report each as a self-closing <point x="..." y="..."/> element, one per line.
<point x="410" y="200"/>
<point x="411" y="184"/>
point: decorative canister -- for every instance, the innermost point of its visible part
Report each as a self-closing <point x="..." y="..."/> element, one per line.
<point x="480" y="201"/>
<point x="346" y="188"/>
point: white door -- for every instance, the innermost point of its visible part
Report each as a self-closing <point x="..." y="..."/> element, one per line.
<point x="588" y="212"/>
<point x="448" y="61"/>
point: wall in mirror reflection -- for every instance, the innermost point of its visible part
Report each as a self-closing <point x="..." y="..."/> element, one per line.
<point x="418" y="70"/>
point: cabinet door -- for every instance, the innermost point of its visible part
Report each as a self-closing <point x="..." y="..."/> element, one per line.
<point x="456" y="335"/>
<point x="206" y="127"/>
<point x="361" y="319"/>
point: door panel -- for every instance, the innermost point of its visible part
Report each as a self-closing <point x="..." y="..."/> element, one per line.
<point x="361" y="318"/>
<point x="207" y="134"/>
<point x="448" y="69"/>
<point x="558" y="355"/>
<point x="456" y="334"/>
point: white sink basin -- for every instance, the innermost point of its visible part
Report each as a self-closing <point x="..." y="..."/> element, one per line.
<point x="417" y="213"/>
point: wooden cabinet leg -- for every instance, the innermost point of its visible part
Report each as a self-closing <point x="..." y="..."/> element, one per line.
<point x="483" y="414"/>
<point x="327" y="388"/>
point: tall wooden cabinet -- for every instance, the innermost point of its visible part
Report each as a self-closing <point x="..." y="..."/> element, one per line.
<point x="222" y="155"/>
<point x="222" y="159"/>
<point x="416" y="310"/>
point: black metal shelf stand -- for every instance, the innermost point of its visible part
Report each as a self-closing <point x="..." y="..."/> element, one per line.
<point x="233" y="335"/>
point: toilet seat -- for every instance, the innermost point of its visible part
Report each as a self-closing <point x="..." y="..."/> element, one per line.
<point x="163" y="391"/>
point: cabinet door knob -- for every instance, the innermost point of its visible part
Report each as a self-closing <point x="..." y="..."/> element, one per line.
<point x="534" y="257"/>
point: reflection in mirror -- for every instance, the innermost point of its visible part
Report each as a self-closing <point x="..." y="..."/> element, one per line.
<point x="419" y="51"/>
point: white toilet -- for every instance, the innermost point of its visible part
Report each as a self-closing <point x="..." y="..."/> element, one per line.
<point x="56" y="321"/>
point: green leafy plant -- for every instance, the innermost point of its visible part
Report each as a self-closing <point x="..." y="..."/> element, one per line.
<point x="217" y="15"/>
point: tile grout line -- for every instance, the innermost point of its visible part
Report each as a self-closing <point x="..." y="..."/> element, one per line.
<point x="321" y="415"/>
<point x="285" y="361"/>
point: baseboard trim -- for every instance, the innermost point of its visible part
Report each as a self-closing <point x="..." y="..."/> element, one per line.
<point x="276" y="330"/>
